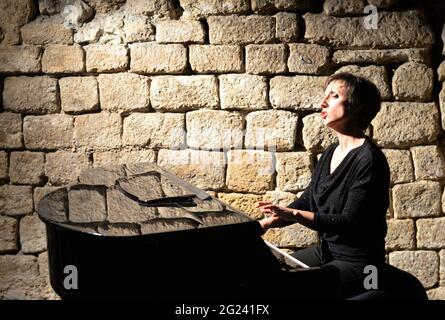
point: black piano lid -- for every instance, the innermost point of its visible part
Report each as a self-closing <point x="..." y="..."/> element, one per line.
<point x="131" y="200"/>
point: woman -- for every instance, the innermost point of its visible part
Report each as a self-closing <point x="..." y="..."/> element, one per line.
<point x="348" y="196"/>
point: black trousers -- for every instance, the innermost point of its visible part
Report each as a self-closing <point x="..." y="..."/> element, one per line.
<point x="351" y="273"/>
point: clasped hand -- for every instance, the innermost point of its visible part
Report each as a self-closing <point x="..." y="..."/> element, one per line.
<point x="274" y="215"/>
<point x="271" y="210"/>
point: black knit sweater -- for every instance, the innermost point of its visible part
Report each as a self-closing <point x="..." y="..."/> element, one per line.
<point x="350" y="204"/>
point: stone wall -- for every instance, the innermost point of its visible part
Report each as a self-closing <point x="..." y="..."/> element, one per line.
<point x="223" y="93"/>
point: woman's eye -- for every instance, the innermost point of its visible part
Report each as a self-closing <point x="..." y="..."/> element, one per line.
<point x="335" y="95"/>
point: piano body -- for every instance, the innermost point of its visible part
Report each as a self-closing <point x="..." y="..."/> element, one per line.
<point x="138" y="231"/>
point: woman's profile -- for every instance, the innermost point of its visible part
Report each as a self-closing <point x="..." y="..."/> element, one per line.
<point x="348" y="196"/>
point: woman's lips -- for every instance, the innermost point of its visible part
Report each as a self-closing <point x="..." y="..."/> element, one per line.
<point x="324" y="114"/>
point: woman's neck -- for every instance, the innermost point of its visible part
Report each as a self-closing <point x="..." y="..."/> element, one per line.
<point x="347" y="142"/>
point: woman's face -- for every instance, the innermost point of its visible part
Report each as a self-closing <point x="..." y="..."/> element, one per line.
<point x="334" y="114"/>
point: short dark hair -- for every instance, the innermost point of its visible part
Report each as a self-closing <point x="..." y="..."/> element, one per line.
<point x="363" y="97"/>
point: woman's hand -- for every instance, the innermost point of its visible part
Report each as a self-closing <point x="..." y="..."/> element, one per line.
<point x="272" y="217"/>
<point x="274" y="211"/>
<point x="277" y="216"/>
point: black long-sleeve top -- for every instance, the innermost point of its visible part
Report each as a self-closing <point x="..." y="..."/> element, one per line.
<point x="350" y="204"/>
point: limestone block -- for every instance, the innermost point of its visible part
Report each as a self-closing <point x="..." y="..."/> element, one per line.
<point x="423" y="264"/>
<point x="79" y="94"/>
<point x="443" y="201"/>
<point x="106" y="58"/>
<point x="181" y="93"/>
<point x="429" y="163"/>
<point x="20" y="278"/>
<point x="154" y="130"/>
<point x="235" y="29"/>
<point x="104" y="6"/>
<point x="47" y="292"/>
<point x="20" y="59"/>
<point x="381" y="56"/>
<point x="99" y="130"/>
<point x="250" y="171"/>
<point x="77" y="13"/>
<point x="295" y="235"/>
<point x="8" y="234"/>
<point x="316" y="136"/>
<point x="442" y="105"/>
<point x="63" y="59"/>
<point x="344" y="8"/>
<point x="430" y="233"/>
<point x="64" y="167"/>
<point x="90" y="32"/>
<point x="47" y="30"/>
<point x="405" y="29"/>
<point x="216" y="58"/>
<point x="13" y="15"/>
<point x="441" y="71"/>
<point x="246" y="203"/>
<point x="400" y="165"/>
<point x="280" y="198"/>
<point x="27" y="167"/>
<point x="397" y="124"/>
<point x="104" y="29"/>
<point x="37" y="95"/>
<point x="106" y="175"/>
<point x="287" y="26"/>
<point x="268" y="6"/>
<point x="266" y="58"/>
<point x="156" y="8"/>
<point x="413" y="81"/>
<point x="48" y="132"/>
<point x="15" y="200"/>
<point x="296" y="93"/>
<point x="417" y="199"/>
<point x="436" y="293"/>
<point x="50" y="7"/>
<point x="87" y="204"/>
<point x="443" y="40"/>
<point x="204" y="8"/>
<point x="308" y="58"/>
<point x="203" y="169"/>
<point x="442" y="267"/>
<point x="10" y="130"/>
<point x="243" y="91"/>
<point x="32" y="234"/>
<point x="158" y="58"/>
<point x="274" y="130"/>
<point x="213" y="130"/>
<point x="375" y="74"/>
<point x="102" y="158"/>
<point x="4" y="173"/>
<point x="382" y="3"/>
<point x="138" y="28"/>
<point x="293" y="170"/>
<point x="401" y="235"/>
<point x="115" y="95"/>
<point x="180" y="31"/>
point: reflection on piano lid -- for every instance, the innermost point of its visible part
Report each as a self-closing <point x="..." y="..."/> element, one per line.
<point x="133" y="200"/>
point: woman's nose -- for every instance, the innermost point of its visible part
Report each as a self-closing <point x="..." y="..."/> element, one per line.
<point x="323" y="103"/>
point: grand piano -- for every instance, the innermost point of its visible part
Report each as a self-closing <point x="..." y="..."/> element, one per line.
<point x="139" y="232"/>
